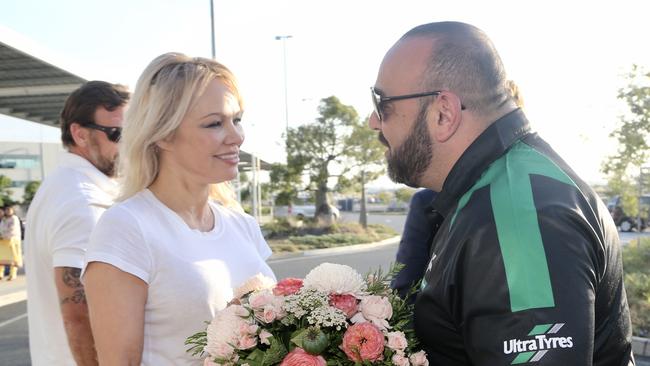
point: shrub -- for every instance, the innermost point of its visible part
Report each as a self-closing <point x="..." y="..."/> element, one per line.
<point x="278" y="228"/>
<point x="636" y="262"/>
<point x="636" y="256"/>
<point x="290" y="235"/>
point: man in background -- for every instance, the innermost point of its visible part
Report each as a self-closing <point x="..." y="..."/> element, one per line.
<point x="415" y="245"/>
<point x="60" y="219"/>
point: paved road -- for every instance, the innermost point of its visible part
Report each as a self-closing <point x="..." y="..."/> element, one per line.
<point x="626" y="237"/>
<point x="363" y="261"/>
<point x="395" y="221"/>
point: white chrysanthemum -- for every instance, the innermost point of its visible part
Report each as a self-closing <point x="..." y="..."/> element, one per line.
<point x="223" y="332"/>
<point x="255" y="283"/>
<point x="333" y="278"/>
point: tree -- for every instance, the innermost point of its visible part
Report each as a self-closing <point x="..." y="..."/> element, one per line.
<point x="313" y="147"/>
<point x="30" y="191"/>
<point x="285" y="181"/>
<point x="632" y="136"/>
<point x="385" y="197"/>
<point x="244" y="187"/>
<point x="404" y="194"/>
<point x="5" y="192"/>
<point x="366" y="159"/>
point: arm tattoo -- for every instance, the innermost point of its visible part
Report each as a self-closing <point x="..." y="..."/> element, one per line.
<point x="71" y="279"/>
<point x="78" y="297"/>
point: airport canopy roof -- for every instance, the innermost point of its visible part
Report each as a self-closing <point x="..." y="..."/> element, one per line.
<point x="34" y="89"/>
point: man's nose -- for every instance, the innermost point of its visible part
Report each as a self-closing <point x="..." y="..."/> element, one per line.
<point x="374" y="122"/>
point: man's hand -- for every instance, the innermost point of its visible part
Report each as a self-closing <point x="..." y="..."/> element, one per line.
<point x="74" y="311"/>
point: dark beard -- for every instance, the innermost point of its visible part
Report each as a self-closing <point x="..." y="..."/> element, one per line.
<point x="102" y="163"/>
<point x="408" y="163"/>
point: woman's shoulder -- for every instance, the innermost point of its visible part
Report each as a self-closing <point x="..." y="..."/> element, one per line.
<point x="231" y="212"/>
<point x="130" y="208"/>
<point x="234" y="215"/>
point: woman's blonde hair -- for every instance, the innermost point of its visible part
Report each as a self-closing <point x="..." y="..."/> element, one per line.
<point x="165" y="92"/>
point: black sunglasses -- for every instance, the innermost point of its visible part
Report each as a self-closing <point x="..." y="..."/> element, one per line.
<point x="378" y="100"/>
<point x="113" y="133"/>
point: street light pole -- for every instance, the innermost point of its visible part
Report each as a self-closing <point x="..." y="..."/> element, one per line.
<point x="212" y="29"/>
<point x="286" y="99"/>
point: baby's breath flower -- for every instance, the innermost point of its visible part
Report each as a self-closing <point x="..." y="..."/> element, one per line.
<point x="327" y="316"/>
<point x="304" y="302"/>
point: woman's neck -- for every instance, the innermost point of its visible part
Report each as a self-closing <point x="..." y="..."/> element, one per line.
<point x="189" y="200"/>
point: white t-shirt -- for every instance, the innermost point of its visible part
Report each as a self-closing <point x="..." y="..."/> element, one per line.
<point x="59" y="222"/>
<point x="190" y="274"/>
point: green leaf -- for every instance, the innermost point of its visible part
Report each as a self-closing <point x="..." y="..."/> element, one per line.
<point x="255" y="358"/>
<point x="275" y="354"/>
<point x="298" y="336"/>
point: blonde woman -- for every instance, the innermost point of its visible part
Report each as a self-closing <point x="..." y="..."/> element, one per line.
<point x="166" y="257"/>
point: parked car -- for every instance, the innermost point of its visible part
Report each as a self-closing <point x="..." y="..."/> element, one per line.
<point x="397" y="206"/>
<point x="622" y="220"/>
<point x="301" y="211"/>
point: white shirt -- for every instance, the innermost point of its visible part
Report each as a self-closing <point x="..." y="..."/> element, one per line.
<point x="190" y="274"/>
<point x="10" y="227"/>
<point x="59" y="222"/>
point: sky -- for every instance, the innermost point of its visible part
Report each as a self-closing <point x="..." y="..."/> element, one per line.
<point x="568" y="57"/>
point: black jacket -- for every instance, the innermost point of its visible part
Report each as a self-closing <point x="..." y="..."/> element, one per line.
<point x="415" y="245"/>
<point x="526" y="265"/>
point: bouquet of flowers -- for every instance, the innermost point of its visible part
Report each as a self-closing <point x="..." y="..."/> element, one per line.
<point x="332" y="317"/>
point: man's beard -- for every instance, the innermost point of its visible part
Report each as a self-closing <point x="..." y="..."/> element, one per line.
<point x="104" y="164"/>
<point x="408" y="162"/>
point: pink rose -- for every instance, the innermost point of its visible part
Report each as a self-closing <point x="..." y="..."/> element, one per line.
<point x="287" y="286"/>
<point x="246" y="329"/>
<point x="240" y="311"/>
<point x="400" y="360"/>
<point x="376" y="309"/>
<point x="419" y="359"/>
<point x="269" y="314"/>
<point x="209" y="362"/>
<point x="224" y="351"/>
<point x="247" y="342"/>
<point x="258" y="300"/>
<point x="345" y="303"/>
<point x="264" y="337"/>
<point x="397" y="341"/>
<point x="298" y="357"/>
<point x="363" y="342"/>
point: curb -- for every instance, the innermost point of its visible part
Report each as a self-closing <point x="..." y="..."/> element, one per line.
<point x="342" y="249"/>
<point x="641" y="346"/>
<point x="13" y="298"/>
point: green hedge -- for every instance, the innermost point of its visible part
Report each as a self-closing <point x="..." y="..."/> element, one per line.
<point x="288" y="236"/>
<point x="636" y="263"/>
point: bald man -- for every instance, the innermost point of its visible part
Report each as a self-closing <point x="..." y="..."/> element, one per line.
<point x="525" y="267"/>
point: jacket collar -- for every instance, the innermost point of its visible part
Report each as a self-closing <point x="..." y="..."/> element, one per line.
<point x="487" y="148"/>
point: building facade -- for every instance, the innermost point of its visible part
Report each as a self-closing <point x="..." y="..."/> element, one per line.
<point x="24" y="162"/>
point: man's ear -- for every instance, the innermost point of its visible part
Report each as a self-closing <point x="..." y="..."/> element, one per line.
<point x="445" y="113"/>
<point x="80" y="135"/>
